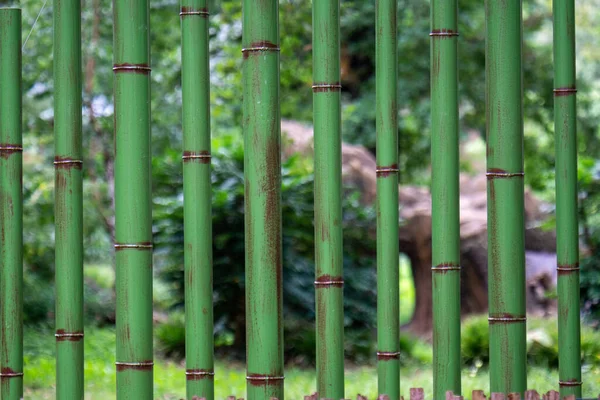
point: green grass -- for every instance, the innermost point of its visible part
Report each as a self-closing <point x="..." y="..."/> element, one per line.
<point x="169" y="378"/>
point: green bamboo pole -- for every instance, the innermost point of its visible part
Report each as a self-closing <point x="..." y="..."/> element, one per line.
<point x="567" y="229"/>
<point x="133" y="223"/>
<point x="11" y="207"/>
<point x="197" y="200"/>
<point x="506" y="251"/>
<point x="262" y="175"/>
<point x="68" y="207"/>
<point x="445" y="198"/>
<point x="328" y="205"/>
<point x="388" y="295"/>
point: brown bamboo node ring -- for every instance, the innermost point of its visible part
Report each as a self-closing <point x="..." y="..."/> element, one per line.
<point x="119" y="246"/>
<point x="388" y="353"/>
<point x="329" y="283"/>
<point x="69" y="334"/>
<point x="11" y="147"/>
<point x="264" y="378"/>
<point x="447" y="268"/>
<point x="68" y="162"/>
<point x="386" y="170"/>
<point x="135" y="364"/>
<point x="199" y="373"/>
<point x="504" y="174"/>
<point x="507" y="319"/>
<point x="196" y="157"/>
<point x="568" y="383"/>
<point x="202" y="13"/>
<point x="326" y="87"/>
<point x="11" y="374"/>
<point x="564" y="91"/>
<point x="567" y="268"/>
<point x="259" y="48"/>
<point x="132" y="68"/>
<point x="443" y="34"/>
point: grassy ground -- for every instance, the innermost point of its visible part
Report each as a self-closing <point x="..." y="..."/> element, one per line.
<point x="230" y="379"/>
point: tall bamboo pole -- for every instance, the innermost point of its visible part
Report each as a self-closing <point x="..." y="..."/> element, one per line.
<point x="445" y="198"/>
<point x="505" y="191"/>
<point x="262" y="175"/>
<point x="133" y="235"/>
<point x="328" y="206"/>
<point x="567" y="230"/>
<point x="69" y="204"/>
<point x="197" y="200"/>
<point x="11" y="207"/>
<point x="388" y="295"/>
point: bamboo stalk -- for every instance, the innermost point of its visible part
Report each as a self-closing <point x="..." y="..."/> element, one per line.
<point x="11" y="207"/>
<point x="445" y="198"/>
<point x="388" y="298"/>
<point x="506" y="252"/>
<point x="197" y="200"/>
<point x="133" y="235"/>
<point x="328" y="208"/>
<point x="567" y="229"/>
<point x="262" y="174"/>
<point x="68" y="207"/>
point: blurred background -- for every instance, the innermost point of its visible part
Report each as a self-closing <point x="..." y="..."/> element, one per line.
<point x="358" y="113"/>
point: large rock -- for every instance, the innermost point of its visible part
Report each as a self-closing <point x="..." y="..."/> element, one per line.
<point x="358" y="169"/>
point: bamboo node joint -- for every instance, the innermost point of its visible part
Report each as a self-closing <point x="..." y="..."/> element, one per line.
<point x="503" y="174"/>
<point x="259" y="49"/>
<point x="326" y="87"/>
<point x="506" y="319"/>
<point x="564" y="91"/>
<point x="443" y="32"/>
<point x="121" y="246"/>
<point x="67" y="161"/>
<point x="388" y="355"/>
<point x="195" y="372"/>
<point x="328" y="283"/>
<point x="10" y="148"/>
<point x="202" y="13"/>
<point x="264" y="378"/>
<point x="68" y="334"/>
<point x="570" y="383"/>
<point x="196" y="156"/>
<point x="11" y="374"/>
<point x="135" y="68"/>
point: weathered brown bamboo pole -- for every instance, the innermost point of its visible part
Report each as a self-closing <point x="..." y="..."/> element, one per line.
<point x="68" y="207"/>
<point x="133" y="223"/>
<point x="328" y="194"/>
<point x="567" y="228"/>
<point x="195" y="83"/>
<point x="11" y="207"/>
<point x="388" y="293"/>
<point x="262" y="176"/>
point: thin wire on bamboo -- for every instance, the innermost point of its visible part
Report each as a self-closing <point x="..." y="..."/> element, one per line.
<point x="133" y="222"/>
<point x="567" y="229"/>
<point x="445" y="198"/>
<point x="197" y="200"/>
<point x="328" y="208"/>
<point x="68" y="206"/>
<point x="11" y="207"/>
<point x="262" y="184"/>
<point x="388" y="294"/>
<point x="505" y="193"/>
